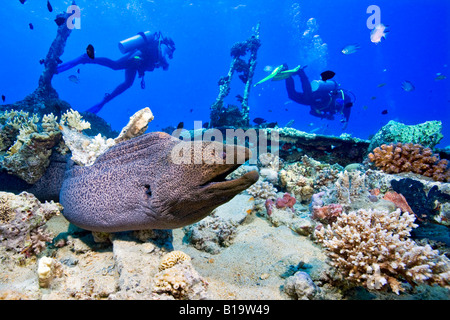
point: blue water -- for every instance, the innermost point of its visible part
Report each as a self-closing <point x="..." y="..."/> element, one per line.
<point x="416" y="49"/>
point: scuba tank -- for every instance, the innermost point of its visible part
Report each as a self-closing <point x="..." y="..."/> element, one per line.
<point x="135" y="42"/>
<point x="329" y="85"/>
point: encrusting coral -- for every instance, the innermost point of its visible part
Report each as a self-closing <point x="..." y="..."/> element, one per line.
<point x="22" y="222"/>
<point x="170" y="259"/>
<point x="178" y="278"/>
<point x="85" y="149"/>
<point x="262" y="190"/>
<point x="373" y="249"/>
<point x="305" y="178"/>
<point x="409" y="157"/>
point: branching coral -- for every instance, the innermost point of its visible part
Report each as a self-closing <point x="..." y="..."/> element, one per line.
<point x="73" y="120"/>
<point x="350" y="186"/>
<point x="372" y="248"/>
<point x="408" y="157"/>
<point x="29" y="144"/>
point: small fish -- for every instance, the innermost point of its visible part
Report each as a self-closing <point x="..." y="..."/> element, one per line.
<point x="90" y="51"/>
<point x="378" y="33"/>
<point x="408" y="86"/>
<point x="60" y="21"/>
<point x="190" y="110"/>
<point x="440" y="76"/>
<point x="22" y="1"/>
<point x="74" y="78"/>
<point x="251" y="199"/>
<point x="272" y="125"/>
<point x="259" y="121"/>
<point x="239" y="98"/>
<point x="384" y="111"/>
<point x="351" y="48"/>
<point x="311" y="124"/>
<point x="249" y="211"/>
<point x="42" y="61"/>
<point x="327" y="75"/>
<point x="205" y="125"/>
<point x="49" y="6"/>
<point x="270" y="110"/>
<point x="31" y="26"/>
<point x="180" y="125"/>
<point x="373" y="98"/>
<point x="78" y="71"/>
<point x="381" y="85"/>
<point x="3" y="98"/>
<point x="365" y="107"/>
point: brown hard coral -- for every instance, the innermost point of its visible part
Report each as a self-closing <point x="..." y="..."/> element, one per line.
<point x="409" y="157"/>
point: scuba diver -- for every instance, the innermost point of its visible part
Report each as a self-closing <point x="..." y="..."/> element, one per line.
<point x="144" y="52"/>
<point x="325" y="97"/>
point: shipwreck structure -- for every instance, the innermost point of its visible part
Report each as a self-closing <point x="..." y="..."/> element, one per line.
<point x="231" y="115"/>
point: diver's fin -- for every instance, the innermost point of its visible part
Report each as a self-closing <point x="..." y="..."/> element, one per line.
<point x="286" y="73"/>
<point x="327" y="75"/>
<point x="270" y="76"/>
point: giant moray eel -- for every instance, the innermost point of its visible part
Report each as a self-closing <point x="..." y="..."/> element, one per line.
<point x="135" y="185"/>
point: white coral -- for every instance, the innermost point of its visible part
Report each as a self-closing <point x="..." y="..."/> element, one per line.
<point x="262" y="190"/>
<point x="73" y="120"/>
<point x="372" y="248"/>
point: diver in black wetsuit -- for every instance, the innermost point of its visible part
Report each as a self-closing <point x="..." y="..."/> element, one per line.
<point x="144" y="52"/>
<point x="323" y="96"/>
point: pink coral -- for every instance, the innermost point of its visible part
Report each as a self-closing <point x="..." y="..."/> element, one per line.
<point x="327" y="214"/>
<point x="269" y="205"/>
<point x="287" y="201"/>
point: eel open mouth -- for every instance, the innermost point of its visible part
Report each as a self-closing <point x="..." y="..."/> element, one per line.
<point x="234" y="185"/>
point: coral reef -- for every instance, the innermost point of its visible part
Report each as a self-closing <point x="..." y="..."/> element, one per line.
<point x="29" y="143"/>
<point x="427" y="134"/>
<point x="269" y="165"/>
<point x="305" y="178"/>
<point x="137" y="125"/>
<point x="22" y="222"/>
<point x="372" y="248"/>
<point x="326" y="214"/>
<point x="300" y="286"/>
<point x="73" y="120"/>
<point x="399" y="200"/>
<point x="424" y="200"/>
<point x="85" y="149"/>
<point x="342" y="150"/>
<point x="172" y="258"/>
<point x="181" y="281"/>
<point x="48" y="269"/>
<point x="409" y="157"/>
<point x="262" y="190"/>
<point x="210" y="234"/>
<point x="287" y="201"/>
